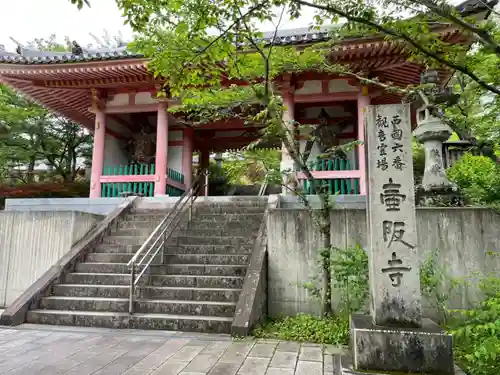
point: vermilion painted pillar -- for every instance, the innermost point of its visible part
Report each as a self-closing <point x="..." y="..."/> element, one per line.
<point x="287" y="163"/>
<point x="98" y="154"/>
<point x="187" y="157"/>
<point x="161" y="149"/>
<point x="363" y="102"/>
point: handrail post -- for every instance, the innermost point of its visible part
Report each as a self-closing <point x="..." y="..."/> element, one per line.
<point x="206" y="183"/>
<point x="164" y="246"/>
<point x="132" y="290"/>
<point x="190" y="210"/>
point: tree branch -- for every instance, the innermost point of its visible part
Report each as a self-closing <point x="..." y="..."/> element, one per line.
<point x="404" y="37"/>
<point x="446" y="11"/>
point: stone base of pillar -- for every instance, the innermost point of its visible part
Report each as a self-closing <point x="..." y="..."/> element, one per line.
<point x="425" y="350"/>
<point x="438" y="196"/>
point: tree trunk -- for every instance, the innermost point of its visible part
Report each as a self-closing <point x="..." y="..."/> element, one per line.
<point x="72" y="164"/>
<point x="31" y="171"/>
<point x="326" y="264"/>
<point x="326" y="275"/>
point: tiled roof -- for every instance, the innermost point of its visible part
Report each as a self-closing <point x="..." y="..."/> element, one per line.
<point x="302" y="35"/>
<point x="282" y="38"/>
<point x="30" y="56"/>
<point x="34" y="57"/>
<point x="474" y="6"/>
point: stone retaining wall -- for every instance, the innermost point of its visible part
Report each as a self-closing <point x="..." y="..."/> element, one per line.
<point x="31" y="242"/>
<point x="463" y="237"/>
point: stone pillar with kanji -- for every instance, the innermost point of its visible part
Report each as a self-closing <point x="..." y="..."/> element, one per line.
<point x="395" y="337"/>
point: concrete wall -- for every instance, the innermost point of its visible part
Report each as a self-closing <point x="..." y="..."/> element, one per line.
<point x="31" y="242"/>
<point x="98" y="206"/>
<point x="463" y="237"/>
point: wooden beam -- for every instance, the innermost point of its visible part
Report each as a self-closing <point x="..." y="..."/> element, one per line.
<point x="325" y="98"/>
<point x="138" y="108"/>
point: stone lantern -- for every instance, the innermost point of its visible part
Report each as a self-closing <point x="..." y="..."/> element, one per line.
<point x="431" y="132"/>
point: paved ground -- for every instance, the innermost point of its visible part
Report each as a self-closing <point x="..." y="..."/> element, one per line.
<point x="31" y="349"/>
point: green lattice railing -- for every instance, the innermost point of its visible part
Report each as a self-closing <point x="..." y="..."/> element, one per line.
<point x="335" y="186"/>
<point x="141" y="180"/>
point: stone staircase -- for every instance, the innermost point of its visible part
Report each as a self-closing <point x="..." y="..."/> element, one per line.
<point x="195" y="289"/>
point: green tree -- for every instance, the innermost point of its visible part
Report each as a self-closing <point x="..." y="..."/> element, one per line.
<point x="252" y="166"/>
<point x="478" y="177"/>
<point x="33" y="135"/>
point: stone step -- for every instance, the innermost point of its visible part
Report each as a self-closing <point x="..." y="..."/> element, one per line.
<point x="108" y="258"/>
<point x="207" y="259"/>
<point x="258" y="202"/>
<point x="166" y="269"/>
<point x="149" y="306"/>
<point x="120" y="254"/>
<point x="223" y="210"/>
<point x="206" y="269"/>
<point x="124" y="240"/>
<point x="194" y="225"/>
<point x="137" y="321"/>
<point x="147" y="292"/>
<point x="235" y="214"/>
<point x="240" y="231"/>
<point x="156" y="280"/>
<point x="243" y="249"/>
<point x="111" y="248"/>
<point x="151" y="217"/>
<point x="229" y="218"/>
<point x="189" y="240"/>
<point x="212" y="240"/>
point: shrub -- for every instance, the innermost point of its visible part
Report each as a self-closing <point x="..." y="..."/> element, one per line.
<point x="418" y="162"/>
<point x="306" y="328"/>
<point x="478" y="177"/>
<point x="477" y="335"/>
<point x="218" y="182"/>
<point x="45" y="190"/>
<point x="350" y="276"/>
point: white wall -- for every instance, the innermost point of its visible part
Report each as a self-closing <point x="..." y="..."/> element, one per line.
<point x="113" y="152"/>
<point x="31" y="242"/>
<point x="174" y="158"/>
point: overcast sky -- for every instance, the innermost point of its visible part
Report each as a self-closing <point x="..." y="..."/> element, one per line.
<point x="25" y="20"/>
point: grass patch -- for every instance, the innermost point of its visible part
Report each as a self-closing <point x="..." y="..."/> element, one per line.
<point x="306" y="328"/>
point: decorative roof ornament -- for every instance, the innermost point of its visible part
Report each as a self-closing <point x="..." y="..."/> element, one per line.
<point x="76" y="49"/>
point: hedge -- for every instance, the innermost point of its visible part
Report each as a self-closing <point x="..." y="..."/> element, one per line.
<point x="45" y="190"/>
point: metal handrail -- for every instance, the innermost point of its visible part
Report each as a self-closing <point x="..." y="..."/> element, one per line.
<point x="150" y="249"/>
<point x="264" y="185"/>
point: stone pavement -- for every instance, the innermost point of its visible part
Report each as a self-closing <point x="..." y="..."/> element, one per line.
<point x="51" y="350"/>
